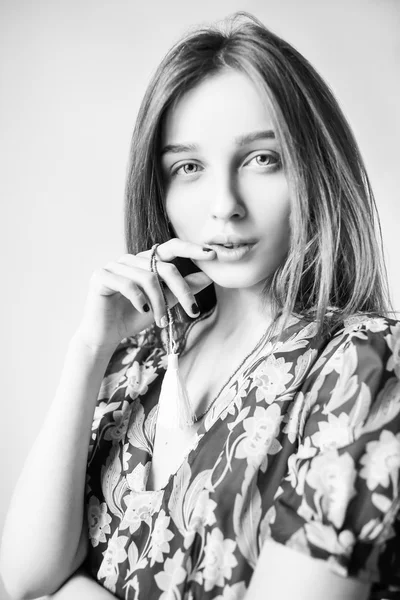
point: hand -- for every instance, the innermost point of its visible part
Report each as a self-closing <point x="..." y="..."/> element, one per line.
<point x="125" y="297"/>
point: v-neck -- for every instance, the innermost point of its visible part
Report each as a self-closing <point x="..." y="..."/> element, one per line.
<point x="200" y="534"/>
<point x="226" y="396"/>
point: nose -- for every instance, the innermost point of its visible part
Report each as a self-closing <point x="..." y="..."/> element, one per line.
<point x="226" y="203"/>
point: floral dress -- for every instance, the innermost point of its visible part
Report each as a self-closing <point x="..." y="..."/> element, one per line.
<point x="302" y="446"/>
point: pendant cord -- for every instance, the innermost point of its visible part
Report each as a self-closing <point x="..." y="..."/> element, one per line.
<point x="210" y="404"/>
<point x="172" y="346"/>
<point x="266" y="333"/>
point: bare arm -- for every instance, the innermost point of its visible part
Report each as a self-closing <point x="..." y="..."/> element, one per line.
<point x="50" y="491"/>
<point x="50" y="540"/>
<point x="82" y="587"/>
<point x="285" y="574"/>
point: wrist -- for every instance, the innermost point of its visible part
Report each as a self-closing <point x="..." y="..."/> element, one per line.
<point x="79" y="342"/>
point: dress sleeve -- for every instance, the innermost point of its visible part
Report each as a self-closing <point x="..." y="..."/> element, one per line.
<point x="124" y="377"/>
<point x="340" y="498"/>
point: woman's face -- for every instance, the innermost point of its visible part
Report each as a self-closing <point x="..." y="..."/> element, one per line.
<point x="224" y="180"/>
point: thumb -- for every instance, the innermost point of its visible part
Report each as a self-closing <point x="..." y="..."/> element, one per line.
<point x="198" y="281"/>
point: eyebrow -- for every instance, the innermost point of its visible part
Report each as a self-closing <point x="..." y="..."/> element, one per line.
<point x="241" y="140"/>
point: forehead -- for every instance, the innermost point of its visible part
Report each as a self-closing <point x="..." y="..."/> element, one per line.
<point x="223" y="106"/>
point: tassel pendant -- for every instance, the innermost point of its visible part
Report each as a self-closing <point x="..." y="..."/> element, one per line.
<point x="174" y="408"/>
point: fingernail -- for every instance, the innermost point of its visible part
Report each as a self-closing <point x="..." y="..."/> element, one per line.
<point x="163" y="321"/>
<point x="195" y="308"/>
<point x="146" y="307"/>
<point x="208" y="249"/>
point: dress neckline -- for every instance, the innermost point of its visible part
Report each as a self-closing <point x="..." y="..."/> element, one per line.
<point x="222" y="402"/>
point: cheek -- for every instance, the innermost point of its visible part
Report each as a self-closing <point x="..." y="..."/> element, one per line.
<point x="283" y="229"/>
<point x="284" y="220"/>
<point x="273" y="209"/>
<point x="185" y="216"/>
<point x="274" y="222"/>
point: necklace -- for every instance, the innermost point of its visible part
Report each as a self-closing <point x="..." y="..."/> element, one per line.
<point x="174" y="407"/>
<point x="258" y="344"/>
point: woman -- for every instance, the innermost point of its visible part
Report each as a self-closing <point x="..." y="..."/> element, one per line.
<point x="248" y="210"/>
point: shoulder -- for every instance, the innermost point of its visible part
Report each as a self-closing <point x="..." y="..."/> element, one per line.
<point x="369" y="326"/>
<point x="135" y="360"/>
<point x="340" y="497"/>
<point x="352" y="391"/>
<point x="137" y="348"/>
<point x="364" y="343"/>
<point x="134" y="364"/>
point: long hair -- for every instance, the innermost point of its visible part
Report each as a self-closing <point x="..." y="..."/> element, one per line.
<point x="335" y="259"/>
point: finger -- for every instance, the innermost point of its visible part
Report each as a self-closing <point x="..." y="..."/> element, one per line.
<point x="108" y="283"/>
<point x="148" y="284"/>
<point x="169" y="273"/>
<point x="176" y="283"/>
<point x="198" y="281"/>
<point x="142" y="260"/>
<point x="175" y="248"/>
<point x="178" y="289"/>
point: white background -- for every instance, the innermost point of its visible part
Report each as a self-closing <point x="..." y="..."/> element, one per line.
<point x="72" y="75"/>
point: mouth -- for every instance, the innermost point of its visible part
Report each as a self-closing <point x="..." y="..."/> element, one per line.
<point x="232" y="252"/>
<point x="232" y="245"/>
<point x="230" y="241"/>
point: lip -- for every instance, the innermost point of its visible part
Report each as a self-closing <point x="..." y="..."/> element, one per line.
<point x="231" y="254"/>
<point x="229" y="239"/>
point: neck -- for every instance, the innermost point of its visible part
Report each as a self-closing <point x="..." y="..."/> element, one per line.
<point x="241" y="310"/>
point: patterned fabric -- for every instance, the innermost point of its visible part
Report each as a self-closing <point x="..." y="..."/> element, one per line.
<point x="302" y="446"/>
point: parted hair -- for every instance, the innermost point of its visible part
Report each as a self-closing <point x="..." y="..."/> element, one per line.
<point x="335" y="258"/>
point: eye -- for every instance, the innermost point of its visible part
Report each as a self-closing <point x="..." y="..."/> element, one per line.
<point x="188" y="168"/>
<point x="264" y="159"/>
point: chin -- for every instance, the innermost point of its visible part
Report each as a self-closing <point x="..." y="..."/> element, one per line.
<point x="233" y="277"/>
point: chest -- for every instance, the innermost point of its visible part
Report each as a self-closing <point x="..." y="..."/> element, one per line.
<point x="209" y="365"/>
<point x="204" y="377"/>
